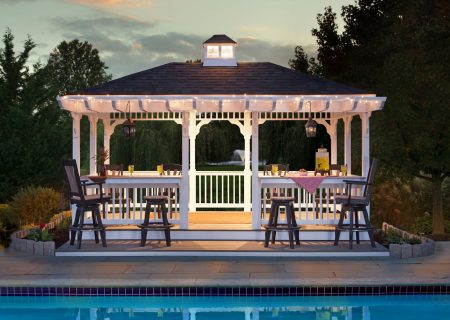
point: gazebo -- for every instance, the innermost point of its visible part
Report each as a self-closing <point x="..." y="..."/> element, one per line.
<point x="246" y="94"/>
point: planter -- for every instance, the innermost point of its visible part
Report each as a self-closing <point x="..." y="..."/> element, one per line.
<point x="36" y="248"/>
<point x="426" y="246"/>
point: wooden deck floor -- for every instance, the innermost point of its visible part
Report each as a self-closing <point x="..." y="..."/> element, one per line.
<point x="222" y="248"/>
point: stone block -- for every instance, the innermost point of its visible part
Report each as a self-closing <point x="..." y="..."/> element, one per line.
<point x="49" y="248"/>
<point x="29" y="247"/>
<point x="20" y="245"/>
<point x="38" y="248"/>
<point x="406" y="251"/>
<point x="395" y="251"/>
<point x="417" y="250"/>
<point x="432" y="246"/>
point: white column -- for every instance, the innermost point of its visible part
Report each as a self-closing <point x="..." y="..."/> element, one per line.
<point x="76" y="117"/>
<point x="332" y="131"/>
<point x="92" y="144"/>
<point x="247" y="133"/>
<point x="184" y="190"/>
<point x="365" y="143"/>
<point x="256" y="189"/>
<point x="107" y="132"/>
<point x="348" y="143"/>
<point x="192" y="170"/>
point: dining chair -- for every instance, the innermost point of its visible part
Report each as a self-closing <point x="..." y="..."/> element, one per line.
<point x="353" y="204"/>
<point x="171" y="169"/>
<point x="84" y="203"/>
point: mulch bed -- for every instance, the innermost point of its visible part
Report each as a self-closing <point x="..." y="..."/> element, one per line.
<point x="60" y="236"/>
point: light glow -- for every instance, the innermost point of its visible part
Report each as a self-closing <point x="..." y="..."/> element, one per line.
<point x="227" y="52"/>
<point x="212" y="51"/>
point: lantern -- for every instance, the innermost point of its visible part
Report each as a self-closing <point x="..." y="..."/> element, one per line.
<point x="311" y="125"/>
<point x="129" y="127"/>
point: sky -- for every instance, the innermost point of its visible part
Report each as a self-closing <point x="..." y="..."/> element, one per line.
<point x="134" y="35"/>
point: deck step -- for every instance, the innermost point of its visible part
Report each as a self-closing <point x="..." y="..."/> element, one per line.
<point x="222" y="249"/>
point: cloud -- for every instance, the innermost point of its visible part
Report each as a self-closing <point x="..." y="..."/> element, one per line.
<point x="114" y="3"/>
<point x="126" y="45"/>
<point x="14" y="1"/>
<point x="103" y="25"/>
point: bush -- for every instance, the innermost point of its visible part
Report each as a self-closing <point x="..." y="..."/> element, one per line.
<point x="395" y="237"/>
<point x="38" y="234"/>
<point x="32" y="205"/>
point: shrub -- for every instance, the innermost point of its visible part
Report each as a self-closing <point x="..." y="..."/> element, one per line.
<point x="8" y="223"/>
<point x="39" y="234"/>
<point x="395" y="237"/>
<point x="32" y="205"/>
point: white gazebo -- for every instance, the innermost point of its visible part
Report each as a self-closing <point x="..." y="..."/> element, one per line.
<point x="247" y="94"/>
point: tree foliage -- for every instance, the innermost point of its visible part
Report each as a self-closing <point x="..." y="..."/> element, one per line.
<point x="300" y="61"/>
<point x="398" y="49"/>
<point x="76" y="65"/>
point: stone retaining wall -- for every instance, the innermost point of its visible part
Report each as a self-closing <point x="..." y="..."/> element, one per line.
<point x="37" y="248"/>
<point x="426" y="246"/>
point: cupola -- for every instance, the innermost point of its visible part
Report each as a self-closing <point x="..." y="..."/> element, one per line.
<point x="219" y="51"/>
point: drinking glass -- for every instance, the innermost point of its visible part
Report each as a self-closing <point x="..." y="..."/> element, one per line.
<point x="344" y="170"/>
<point x="160" y="169"/>
<point x="131" y="169"/>
<point x="274" y="169"/>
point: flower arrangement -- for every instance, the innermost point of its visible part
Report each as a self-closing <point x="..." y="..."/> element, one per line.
<point x="40" y="234"/>
<point x="100" y="159"/>
<point x="101" y="156"/>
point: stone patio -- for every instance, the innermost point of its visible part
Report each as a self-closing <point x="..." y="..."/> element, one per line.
<point x="20" y="270"/>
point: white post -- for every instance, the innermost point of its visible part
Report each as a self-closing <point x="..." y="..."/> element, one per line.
<point x="365" y="143"/>
<point x="107" y="132"/>
<point x="184" y="189"/>
<point x="256" y="189"/>
<point x="348" y="143"/>
<point x="92" y="144"/>
<point x="247" y="133"/>
<point x="332" y="131"/>
<point x="76" y="117"/>
<point x="192" y="171"/>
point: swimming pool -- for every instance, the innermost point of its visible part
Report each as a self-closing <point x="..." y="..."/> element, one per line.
<point x="397" y="307"/>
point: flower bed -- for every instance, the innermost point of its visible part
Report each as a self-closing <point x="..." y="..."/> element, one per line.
<point x="408" y="245"/>
<point x="25" y="240"/>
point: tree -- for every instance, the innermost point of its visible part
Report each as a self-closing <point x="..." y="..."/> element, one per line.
<point x="398" y="49"/>
<point x="300" y="62"/>
<point x="76" y="65"/>
<point x="73" y="66"/>
<point x="28" y="126"/>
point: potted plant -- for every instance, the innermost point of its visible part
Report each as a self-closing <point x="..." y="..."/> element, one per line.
<point x="100" y="159"/>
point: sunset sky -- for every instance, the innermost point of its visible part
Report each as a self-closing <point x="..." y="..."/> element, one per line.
<point x="133" y="35"/>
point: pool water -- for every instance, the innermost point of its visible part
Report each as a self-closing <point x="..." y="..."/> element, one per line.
<point x="227" y="308"/>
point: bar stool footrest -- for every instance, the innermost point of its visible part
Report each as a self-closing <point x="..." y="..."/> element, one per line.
<point x="281" y="227"/>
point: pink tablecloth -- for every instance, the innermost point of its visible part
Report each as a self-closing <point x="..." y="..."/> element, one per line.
<point x="309" y="183"/>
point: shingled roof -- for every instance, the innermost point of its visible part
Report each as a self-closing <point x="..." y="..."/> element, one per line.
<point x="220" y="38"/>
<point x="251" y="78"/>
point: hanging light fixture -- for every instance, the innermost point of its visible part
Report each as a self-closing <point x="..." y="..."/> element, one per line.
<point x="129" y="127"/>
<point x="311" y="125"/>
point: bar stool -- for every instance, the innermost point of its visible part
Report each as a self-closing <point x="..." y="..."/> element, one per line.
<point x="79" y="226"/>
<point x="290" y="226"/>
<point x="159" y="203"/>
<point x="353" y="204"/>
<point x="354" y="225"/>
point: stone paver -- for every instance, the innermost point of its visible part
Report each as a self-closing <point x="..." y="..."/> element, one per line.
<point x="17" y="269"/>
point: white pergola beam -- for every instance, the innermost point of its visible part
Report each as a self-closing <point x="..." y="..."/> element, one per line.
<point x="92" y="144"/>
<point x="76" y="118"/>
<point x="221" y="103"/>
<point x="256" y="188"/>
